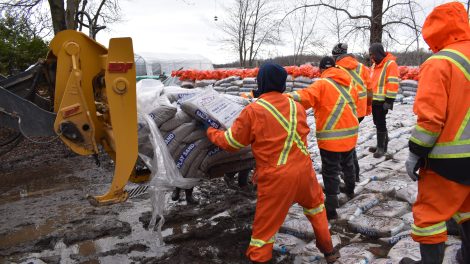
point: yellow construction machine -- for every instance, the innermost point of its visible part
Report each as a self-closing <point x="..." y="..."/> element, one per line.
<point x="92" y="96"/>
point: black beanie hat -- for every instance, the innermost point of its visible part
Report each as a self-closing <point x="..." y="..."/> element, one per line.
<point x="271" y="77"/>
<point x="327" y="62"/>
<point x="339" y="49"/>
<point x="378" y="51"/>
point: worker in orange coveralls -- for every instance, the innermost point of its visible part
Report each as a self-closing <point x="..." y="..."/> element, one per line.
<point x="360" y="76"/>
<point x="276" y="127"/>
<point x="440" y="142"/>
<point x="384" y="83"/>
<point x="334" y="103"/>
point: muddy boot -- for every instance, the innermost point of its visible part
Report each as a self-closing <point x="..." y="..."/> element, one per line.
<point x="430" y="254"/>
<point x="175" y="196"/>
<point x="357" y="170"/>
<point x="190" y="198"/>
<point x="331" y="203"/>
<point x="381" y="136"/>
<point x="463" y="256"/>
<point x="332" y="256"/>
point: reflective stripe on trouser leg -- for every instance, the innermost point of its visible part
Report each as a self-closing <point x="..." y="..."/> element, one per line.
<point x="429" y="230"/>
<point x="460" y="217"/>
<point x="260" y="243"/>
<point x="314" y="211"/>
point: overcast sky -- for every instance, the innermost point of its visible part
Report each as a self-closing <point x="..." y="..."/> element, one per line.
<point x="184" y="26"/>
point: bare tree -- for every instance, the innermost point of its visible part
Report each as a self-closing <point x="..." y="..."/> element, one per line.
<point x="381" y="15"/>
<point x="65" y="14"/>
<point x="249" y="27"/>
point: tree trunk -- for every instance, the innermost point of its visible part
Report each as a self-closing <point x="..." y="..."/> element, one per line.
<point x="57" y="15"/>
<point x="70" y="12"/>
<point x="376" y="28"/>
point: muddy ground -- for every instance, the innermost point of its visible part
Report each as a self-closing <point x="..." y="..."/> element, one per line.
<point x="46" y="217"/>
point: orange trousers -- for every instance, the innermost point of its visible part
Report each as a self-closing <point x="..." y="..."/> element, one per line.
<point x="276" y="194"/>
<point x="438" y="200"/>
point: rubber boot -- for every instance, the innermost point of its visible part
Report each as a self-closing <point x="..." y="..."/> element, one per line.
<point x="357" y="170"/>
<point x="175" y="196"/>
<point x="430" y="254"/>
<point x="190" y="198"/>
<point x="331" y="203"/>
<point x="464" y="252"/>
<point x="332" y="257"/>
<point x="381" y="137"/>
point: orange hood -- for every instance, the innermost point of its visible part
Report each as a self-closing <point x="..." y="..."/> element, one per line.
<point x="447" y="24"/>
<point x="337" y="75"/>
<point x="348" y="62"/>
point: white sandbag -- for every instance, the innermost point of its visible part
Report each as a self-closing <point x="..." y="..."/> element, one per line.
<point x="285" y="243"/>
<point x="375" y="226"/>
<point x="237" y="83"/>
<point x="406" y="247"/>
<point x="175" y="93"/>
<point x="385" y="261"/>
<point x="408" y="194"/>
<point x="174" y="139"/>
<point x="246" y="89"/>
<point x="163" y="112"/>
<point x="409" y="94"/>
<point x="450" y="255"/>
<point x="148" y="91"/>
<point x="389" y="209"/>
<point x="253" y="86"/>
<point x="408" y="89"/>
<point x="237" y="99"/>
<point x="219" y="89"/>
<point x="408" y="220"/>
<point x="204" y="83"/>
<point x="410" y="83"/>
<point x="189" y="154"/>
<point x="187" y="84"/>
<point x="394" y="239"/>
<point x="289" y="78"/>
<point x="249" y="80"/>
<point x="301" y="85"/>
<point x="180" y="118"/>
<point x="212" y="108"/>
<point x="301" y="228"/>
<point x="303" y="79"/>
<point x="358" y="205"/>
<point x="233" y="93"/>
<point x="357" y="253"/>
<point x="225" y="85"/>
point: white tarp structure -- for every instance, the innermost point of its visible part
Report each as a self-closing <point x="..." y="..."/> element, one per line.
<point x="151" y="63"/>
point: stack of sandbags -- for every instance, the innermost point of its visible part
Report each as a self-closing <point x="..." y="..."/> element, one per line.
<point x="230" y="85"/>
<point x="178" y="115"/>
<point x="301" y="82"/>
<point x="204" y="83"/>
<point x="408" y="89"/>
<point x="249" y="84"/>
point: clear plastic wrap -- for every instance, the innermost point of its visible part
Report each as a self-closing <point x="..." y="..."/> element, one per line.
<point x="165" y="176"/>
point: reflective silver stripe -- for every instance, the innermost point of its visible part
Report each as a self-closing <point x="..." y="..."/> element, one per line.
<point x="423" y="138"/>
<point x="461" y="217"/>
<point x="260" y="243"/>
<point x="451" y="150"/>
<point x="295" y="96"/>
<point x="430" y="230"/>
<point x="362" y="94"/>
<point x="345" y="93"/>
<point x="391" y="94"/>
<point x="464" y="130"/>
<point x="336" y="114"/>
<point x="315" y="210"/>
<point x="457" y="58"/>
<point x="337" y="134"/>
<point x="393" y="79"/>
<point x="379" y="97"/>
<point x="380" y="90"/>
<point x="357" y="79"/>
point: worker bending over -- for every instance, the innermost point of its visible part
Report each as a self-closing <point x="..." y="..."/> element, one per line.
<point x="334" y="103"/>
<point x="360" y="78"/>
<point x="276" y="127"/>
<point x="384" y="83"/>
<point x="440" y="142"/>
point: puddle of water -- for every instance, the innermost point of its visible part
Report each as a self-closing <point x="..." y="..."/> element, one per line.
<point x="27" y="233"/>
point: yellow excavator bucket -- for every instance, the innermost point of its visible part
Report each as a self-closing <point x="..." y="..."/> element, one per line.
<point x="95" y="102"/>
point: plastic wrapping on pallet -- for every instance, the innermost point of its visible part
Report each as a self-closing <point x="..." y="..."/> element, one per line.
<point x="212" y="108"/>
<point x="148" y="91"/>
<point x="375" y="226"/>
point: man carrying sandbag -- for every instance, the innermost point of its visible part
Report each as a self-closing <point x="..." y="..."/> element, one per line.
<point x="276" y="127"/>
<point x="440" y="142"/>
<point x="334" y="101"/>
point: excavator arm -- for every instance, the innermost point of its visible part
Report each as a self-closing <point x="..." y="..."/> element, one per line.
<point x="94" y="103"/>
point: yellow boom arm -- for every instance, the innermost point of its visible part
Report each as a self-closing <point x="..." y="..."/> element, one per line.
<point x="95" y="102"/>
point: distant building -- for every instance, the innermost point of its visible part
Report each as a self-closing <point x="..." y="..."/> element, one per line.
<point x="154" y="64"/>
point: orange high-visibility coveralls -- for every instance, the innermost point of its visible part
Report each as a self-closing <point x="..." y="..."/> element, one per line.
<point x="360" y="75"/>
<point x="335" y="103"/>
<point x="384" y="81"/>
<point x="442" y="133"/>
<point x="276" y="127"/>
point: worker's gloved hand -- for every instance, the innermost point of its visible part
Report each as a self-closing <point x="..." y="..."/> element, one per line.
<point x="388" y="106"/>
<point x="412" y="165"/>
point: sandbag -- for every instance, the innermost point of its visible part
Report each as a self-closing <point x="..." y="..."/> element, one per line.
<point x="232" y="89"/>
<point x="180" y="118"/>
<point x="194" y="136"/>
<point x="410" y="83"/>
<point x="285" y="243"/>
<point x="409" y="89"/>
<point x="187" y="84"/>
<point x="237" y="83"/>
<point x="409" y="94"/>
<point x="408" y="220"/>
<point x="237" y="99"/>
<point x="174" y="139"/>
<point x="189" y="154"/>
<point x="389" y="209"/>
<point x="375" y="226"/>
<point x="204" y="83"/>
<point x="216" y="156"/>
<point x="246" y="89"/>
<point x="303" y="79"/>
<point x="450" y="255"/>
<point x="249" y="80"/>
<point x="357" y="253"/>
<point x="194" y="171"/>
<point x="301" y="228"/>
<point x="394" y="239"/>
<point x="174" y="93"/>
<point x="227" y="80"/>
<point x="408" y="194"/>
<point x="301" y="85"/>
<point x="358" y="205"/>
<point x="164" y="111"/>
<point x="406" y="247"/>
<point x="225" y="85"/>
<point x="212" y="108"/>
<point x="233" y="93"/>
